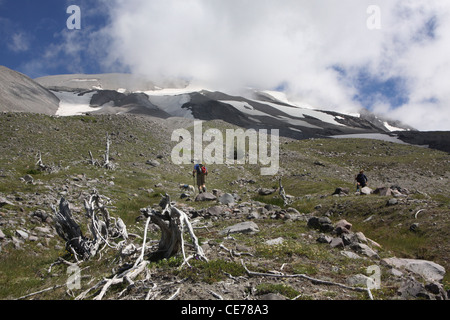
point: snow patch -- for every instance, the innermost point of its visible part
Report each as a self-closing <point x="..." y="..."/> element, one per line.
<point x="244" y="107"/>
<point x="72" y="103"/>
<point x="173" y="104"/>
<point x="371" y="136"/>
<point x="392" y="128"/>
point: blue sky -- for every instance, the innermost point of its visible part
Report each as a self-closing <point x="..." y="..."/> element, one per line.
<point x="30" y="29"/>
<point x="389" y="56"/>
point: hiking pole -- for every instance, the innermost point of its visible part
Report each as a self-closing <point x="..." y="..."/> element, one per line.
<point x="193" y="177"/>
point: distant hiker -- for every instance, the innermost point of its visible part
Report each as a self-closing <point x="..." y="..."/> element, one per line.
<point x="361" y="180"/>
<point x="201" y="171"/>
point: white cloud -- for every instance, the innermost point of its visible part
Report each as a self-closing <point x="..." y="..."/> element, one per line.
<point x="19" y="42"/>
<point x="298" y="43"/>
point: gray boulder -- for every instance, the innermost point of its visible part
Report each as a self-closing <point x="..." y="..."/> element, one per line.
<point x="274" y="242"/>
<point x="214" y="211"/>
<point x="153" y="163"/>
<point x="4" y="202"/>
<point x="341" y="191"/>
<point x="22" y="234"/>
<point x="342" y="226"/>
<point x="337" y="243"/>
<point x="392" y="202"/>
<point x="205" y="196"/>
<point x="429" y="270"/>
<point x="413" y="289"/>
<point x="383" y="191"/>
<point x="227" y="199"/>
<point x="364" y="249"/>
<point x="366" y="191"/>
<point x="265" y="191"/>
<point x="360" y="280"/>
<point x="323" y="224"/>
<point x="324" y="239"/>
<point x="247" y="227"/>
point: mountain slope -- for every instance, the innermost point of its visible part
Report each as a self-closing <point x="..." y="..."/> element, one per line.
<point x="115" y="93"/>
<point x="311" y="171"/>
<point x="18" y="93"/>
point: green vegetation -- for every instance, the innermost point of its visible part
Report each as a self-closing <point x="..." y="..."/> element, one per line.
<point x="311" y="170"/>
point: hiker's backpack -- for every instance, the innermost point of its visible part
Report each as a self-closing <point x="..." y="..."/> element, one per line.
<point x="201" y="170"/>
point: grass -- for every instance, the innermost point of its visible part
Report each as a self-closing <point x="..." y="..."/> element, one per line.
<point x="68" y="141"/>
<point x="24" y="271"/>
<point x="212" y="271"/>
<point x="281" y="288"/>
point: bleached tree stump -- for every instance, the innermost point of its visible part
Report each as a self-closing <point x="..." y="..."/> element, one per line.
<point x="102" y="226"/>
<point x="283" y="194"/>
<point x="172" y="223"/>
<point x="106" y="163"/>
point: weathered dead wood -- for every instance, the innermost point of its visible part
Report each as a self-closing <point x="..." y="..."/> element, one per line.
<point x="172" y="223"/>
<point x="283" y="194"/>
<point x="106" y="163"/>
<point x="68" y="229"/>
<point x="304" y="276"/>
<point x="102" y="226"/>
<point x="43" y="167"/>
<point x="234" y="253"/>
<point x="41" y="291"/>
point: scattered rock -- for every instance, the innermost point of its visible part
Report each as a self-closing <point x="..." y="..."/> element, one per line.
<point x="153" y="163"/>
<point x="323" y="224"/>
<point x="22" y="234"/>
<point x="215" y="211"/>
<point x="205" y="196"/>
<point x="40" y="214"/>
<point x="392" y="202"/>
<point x="247" y="227"/>
<point x="318" y="163"/>
<point x="383" y="191"/>
<point x="341" y="191"/>
<point x="337" y="243"/>
<point x="44" y="230"/>
<point x="324" y="239"/>
<point x="4" y="202"/>
<point x="360" y="237"/>
<point x="276" y="241"/>
<point x="342" y="226"/>
<point x="396" y="272"/>
<point x="227" y="199"/>
<point x="27" y="179"/>
<point x="2" y="235"/>
<point x="414" y="227"/>
<point x="429" y="270"/>
<point x="364" y="249"/>
<point x="265" y="191"/>
<point x="360" y="280"/>
<point x="412" y="289"/>
<point x="350" y="254"/>
<point x="366" y="191"/>
<point x="185" y="195"/>
<point x="272" y="296"/>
